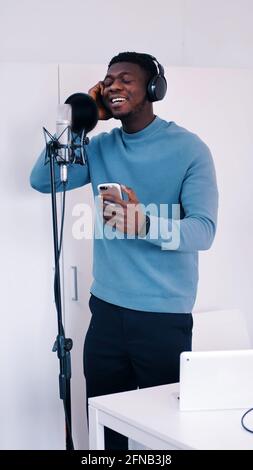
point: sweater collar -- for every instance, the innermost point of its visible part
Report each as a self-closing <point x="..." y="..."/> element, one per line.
<point x="147" y="131"/>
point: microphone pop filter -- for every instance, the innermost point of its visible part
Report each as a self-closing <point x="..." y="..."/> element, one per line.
<point x="84" y="112"/>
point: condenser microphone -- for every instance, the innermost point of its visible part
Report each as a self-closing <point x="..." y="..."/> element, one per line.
<point x="75" y="118"/>
<point x="63" y="135"/>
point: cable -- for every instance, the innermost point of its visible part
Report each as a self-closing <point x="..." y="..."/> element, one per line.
<point x="62" y="344"/>
<point x="57" y="267"/>
<point x="56" y="295"/>
<point x="242" y="421"/>
<point x="68" y="426"/>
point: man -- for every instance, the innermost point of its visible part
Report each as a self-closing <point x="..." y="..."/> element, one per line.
<point x="145" y="279"/>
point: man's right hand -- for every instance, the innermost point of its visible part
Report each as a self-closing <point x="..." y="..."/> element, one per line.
<point x="96" y="92"/>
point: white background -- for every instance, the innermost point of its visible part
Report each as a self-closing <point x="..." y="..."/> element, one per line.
<point x="214" y="102"/>
<point x="212" y="33"/>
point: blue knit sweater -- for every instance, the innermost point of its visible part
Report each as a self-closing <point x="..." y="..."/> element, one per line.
<point x="170" y="169"/>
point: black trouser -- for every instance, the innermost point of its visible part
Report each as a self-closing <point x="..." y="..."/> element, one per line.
<point x="125" y="349"/>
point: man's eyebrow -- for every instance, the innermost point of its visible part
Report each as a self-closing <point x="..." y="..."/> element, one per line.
<point x="119" y="75"/>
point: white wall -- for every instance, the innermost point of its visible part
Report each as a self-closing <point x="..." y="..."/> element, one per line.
<point x="30" y="408"/>
<point x="217" y="105"/>
<point x="212" y="33"/>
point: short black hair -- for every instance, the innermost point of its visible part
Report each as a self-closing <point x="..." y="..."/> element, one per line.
<point x="145" y="61"/>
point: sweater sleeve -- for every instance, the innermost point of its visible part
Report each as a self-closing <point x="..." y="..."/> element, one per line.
<point x="78" y="175"/>
<point x="199" y="203"/>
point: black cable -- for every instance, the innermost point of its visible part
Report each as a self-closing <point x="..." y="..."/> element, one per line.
<point x="57" y="300"/>
<point x="62" y="344"/>
<point x="242" y="421"/>
<point x="62" y="220"/>
<point x="68" y="426"/>
<point x="56" y="297"/>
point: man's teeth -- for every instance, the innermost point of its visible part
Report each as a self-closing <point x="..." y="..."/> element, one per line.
<point x="118" y="100"/>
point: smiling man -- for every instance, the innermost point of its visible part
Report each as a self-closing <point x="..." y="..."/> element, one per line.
<point x="124" y="92"/>
<point x="145" y="272"/>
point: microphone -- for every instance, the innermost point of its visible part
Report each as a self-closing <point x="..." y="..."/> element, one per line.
<point x="84" y="112"/>
<point x="78" y="115"/>
<point x="63" y="124"/>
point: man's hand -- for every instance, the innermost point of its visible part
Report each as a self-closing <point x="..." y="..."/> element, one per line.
<point x="96" y="92"/>
<point x="126" y="216"/>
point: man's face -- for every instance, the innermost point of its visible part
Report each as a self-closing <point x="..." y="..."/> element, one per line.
<point x="125" y="88"/>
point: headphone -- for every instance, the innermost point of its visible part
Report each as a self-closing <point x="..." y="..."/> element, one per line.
<point x="157" y="86"/>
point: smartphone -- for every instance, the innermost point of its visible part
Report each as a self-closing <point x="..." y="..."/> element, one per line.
<point x="114" y="189"/>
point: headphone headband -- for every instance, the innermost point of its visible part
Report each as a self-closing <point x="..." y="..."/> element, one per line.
<point x="159" y="67"/>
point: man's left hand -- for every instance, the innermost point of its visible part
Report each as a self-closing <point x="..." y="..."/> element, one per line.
<point x="126" y="215"/>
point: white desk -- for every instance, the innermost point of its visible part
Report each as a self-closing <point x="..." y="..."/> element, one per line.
<point x="151" y="417"/>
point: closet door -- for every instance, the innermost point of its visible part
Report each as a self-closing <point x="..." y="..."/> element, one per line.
<point x="31" y="411"/>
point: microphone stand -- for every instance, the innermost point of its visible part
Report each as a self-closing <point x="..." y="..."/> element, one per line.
<point x="62" y="344"/>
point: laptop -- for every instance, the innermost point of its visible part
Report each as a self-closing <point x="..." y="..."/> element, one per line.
<point x="213" y="380"/>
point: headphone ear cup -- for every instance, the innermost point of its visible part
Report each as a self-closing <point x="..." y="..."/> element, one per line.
<point x="150" y="89"/>
<point x="161" y="87"/>
<point x="157" y="88"/>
